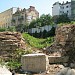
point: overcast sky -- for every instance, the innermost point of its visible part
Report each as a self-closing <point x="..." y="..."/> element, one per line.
<point x="42" y="6"/>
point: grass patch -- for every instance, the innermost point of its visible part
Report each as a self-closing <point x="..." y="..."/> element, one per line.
<point x="36" y="42"/>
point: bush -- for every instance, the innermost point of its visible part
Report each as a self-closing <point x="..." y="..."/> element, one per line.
<point x="13" y="64"/>
<point x="51" y="32"/>
<point x="2" y="29"/>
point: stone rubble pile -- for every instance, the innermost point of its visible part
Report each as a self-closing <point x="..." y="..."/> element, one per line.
<point x="10" y="41"/>
<point x="64" y="40"/>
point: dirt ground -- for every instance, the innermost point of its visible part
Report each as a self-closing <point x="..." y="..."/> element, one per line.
<point x="52" y="70"/>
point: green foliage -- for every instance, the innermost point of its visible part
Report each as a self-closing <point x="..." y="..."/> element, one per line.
<point x="63" y="19"/>
<point x="54" y="18"/>
<point x="72" y="22"/>
<point x="46" y="20"/>
<point x="15" y="60"/>
<point x="42" y="21"/>
<point x="51" y="32"/>
<point x="13" y="64"/>
<point x="16" y="56"/>
<point x="32" y="24"/>
<point x="44" y="34"/>
<point x="48" y="41"/>
<point x="19" y="28"/>
<point x="36" y="42"/>
<point x="22" y="27"/>
<point x="12" y="29"/>
<point x="2" y="29"/>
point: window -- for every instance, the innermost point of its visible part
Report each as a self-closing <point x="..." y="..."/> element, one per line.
<point x="66" y="6"/>
<point x="67" y="11"/>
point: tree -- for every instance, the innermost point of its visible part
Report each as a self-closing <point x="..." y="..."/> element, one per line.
<point x="51" y="32"/>
<point x="54" y="18"/>
<point x="42" y="21"/>
<point x="32" y="24"/>
<point x="63" y="19"/>
<point x="46" y="20"/>
<point x="12" y="29"/>
<point x="44" y="34"/>
<point x="2" y="29"/>
<point x="22" y="27"/>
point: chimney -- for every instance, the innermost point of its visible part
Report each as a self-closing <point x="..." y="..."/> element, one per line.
<point x="32" y="8"/>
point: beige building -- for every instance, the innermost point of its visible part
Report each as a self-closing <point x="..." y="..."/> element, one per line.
<point x="25" y="15"/>
<point x="16" y="16"/>
<point x="6" y="17"/>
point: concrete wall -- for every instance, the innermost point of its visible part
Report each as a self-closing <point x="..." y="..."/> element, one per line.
<point x="46" y="27"/>
<point x="34" y="62"/>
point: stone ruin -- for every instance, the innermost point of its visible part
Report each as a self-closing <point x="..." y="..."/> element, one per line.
<point x="64" y="42"/>
<point x="10" y="41"/>
<point x="35" y="63"/>
<point x="64" y="39"/>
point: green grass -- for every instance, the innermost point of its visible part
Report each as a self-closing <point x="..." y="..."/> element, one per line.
<point x="36" y="42"/>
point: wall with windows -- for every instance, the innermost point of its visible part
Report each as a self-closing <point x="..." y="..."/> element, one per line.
<point x="6" y="18"/>
<point x="25" y="15"/>
<point x="16" y="16"/>
<point x="40" y="29"/>
<point x="73" y="9"/>
<point x="56" y="8"/>
<point x="61" y="8"/>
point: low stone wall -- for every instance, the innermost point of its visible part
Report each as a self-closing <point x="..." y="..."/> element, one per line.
<point x="58" y="59"/>
<point x="34" y="62"/>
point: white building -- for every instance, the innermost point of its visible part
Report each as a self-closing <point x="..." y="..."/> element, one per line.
<point x="61" y="8"/>
<point x="40" y="29"/>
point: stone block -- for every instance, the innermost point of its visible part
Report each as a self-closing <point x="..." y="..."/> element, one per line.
<point x="34" y="62"/>
<point x="58" y="59"/>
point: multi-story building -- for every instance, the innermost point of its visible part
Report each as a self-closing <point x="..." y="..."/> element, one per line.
<point x="16" y="16"/>
<point x="61" y="8"/>
<point x="73" y="9"/>
<point x="25" y="15"/>
<point x="6" y="17"/>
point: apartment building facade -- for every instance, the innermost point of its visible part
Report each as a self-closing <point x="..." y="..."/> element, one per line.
<point x="6" y="17"/>
<point x="73" y="9"/>
<point x="16" y="16"/>
<point x="25" y="15"/>
<point x="61" y="8"/>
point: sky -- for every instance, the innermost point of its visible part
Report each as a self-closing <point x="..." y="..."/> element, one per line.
<point x="42" y="6"/>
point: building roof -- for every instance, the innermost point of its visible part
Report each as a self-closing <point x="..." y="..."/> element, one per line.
<point x="61" y="3"/>
<point x="57" y="3"/>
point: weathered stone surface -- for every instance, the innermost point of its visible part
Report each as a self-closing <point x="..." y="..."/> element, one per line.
<point x="57" y="59"/>
<point x="34" y="62"/>
<point x="66" y="71"/>
<point x="64" y="40"/>
<point x="10" y="41"/>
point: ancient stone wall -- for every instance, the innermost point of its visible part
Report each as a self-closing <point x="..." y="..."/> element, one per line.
<point x="64" y="40"/>
<point x="10" y="41"/>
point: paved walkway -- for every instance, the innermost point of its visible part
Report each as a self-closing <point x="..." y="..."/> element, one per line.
<point x="4" y="71"/>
